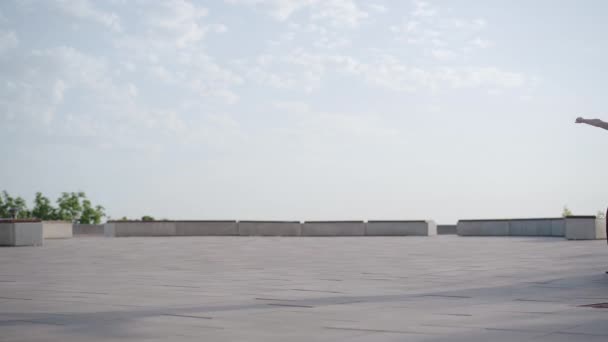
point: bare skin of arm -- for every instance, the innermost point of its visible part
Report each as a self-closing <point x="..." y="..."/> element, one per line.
<point x="593" y="122"/>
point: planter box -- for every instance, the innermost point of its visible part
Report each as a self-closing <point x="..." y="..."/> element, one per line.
<point x="333" y="228"/>
<point x="269" y="228"/>
<point x="56" y="229"/>
<point x="401" y="228"/>
<point x="21" y="233"/>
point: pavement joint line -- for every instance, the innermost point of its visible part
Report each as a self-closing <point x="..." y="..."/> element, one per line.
<point x="187" y="316"/>
<point x="291" y="305"/>
<point x="379" y="330"/>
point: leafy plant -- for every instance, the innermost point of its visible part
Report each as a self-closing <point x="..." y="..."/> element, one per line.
<point x="70" y="206"/>
<point x="43" y="209"/>
<point x="9" y="203"/>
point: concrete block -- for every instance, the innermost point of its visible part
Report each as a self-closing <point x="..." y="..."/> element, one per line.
<point x="109" y="230"/>
<point x="269" y="228"/>
<point x="401" y="228"/>
<point x="141" y="228"/>
<point x="333" y="228"/>
<point x="483" y="228"/>
<point x="21" y="233"/>
<point x="57" y="229"/>
<point x="531" y="227"/>
<point x="512" y="227"/>
<point x="88" y="229"/>
<point x="585" y="228"/>
<point x="446" y="229"/>
<point x="206" y="228"/>
<point x="558" y="227"/>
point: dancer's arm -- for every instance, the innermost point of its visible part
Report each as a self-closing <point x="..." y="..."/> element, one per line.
<point x="593" y="122"/>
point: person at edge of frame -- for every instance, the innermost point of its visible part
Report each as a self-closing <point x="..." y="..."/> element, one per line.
<point x="601" y="124"/>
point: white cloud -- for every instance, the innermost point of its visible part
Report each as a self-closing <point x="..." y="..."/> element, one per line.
<point x="280" y="9"/>
<point x="84" y="9"/>
<point x="171" y="49"/>
<point x="219" y="28"/>
<point x="183" y="19"/>
<point x="108" y="111"/>
<point x="377" y="7"/>
<point x="443" y="54"/>
<point x="36" y="84"/>
<point x="132" y="89"/>
<point x="306" y="72"/>
<point x="317" y="129"/>
<point x="8" y="40"/>
<point x="322" y="36"/>
<point x="424" y="9"/>
<point x="487" y="76"/>
<point x="393" y="75"/>
<point x="481" y="43"/>
<point x="58" y="91"/>
<point x="441" y="37"/>
<point x="338" y="13"/>
<point x="299" y="69"/>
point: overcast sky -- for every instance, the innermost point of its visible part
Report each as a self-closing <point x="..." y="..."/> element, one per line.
<point x="307" y="109"/>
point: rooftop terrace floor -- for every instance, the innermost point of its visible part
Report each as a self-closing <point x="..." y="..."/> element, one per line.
<point x="443" y="288"/>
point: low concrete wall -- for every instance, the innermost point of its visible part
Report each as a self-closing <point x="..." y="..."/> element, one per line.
<point x="401" y="228"/>
<point x="585" y="228"/>
<point x="446" y="229"/>
<point x="140" y="228"/>
<point x="56" y="229"/>
<point x="512" y="227"/>
<point x="206" y="228"/>
<point x="269" y="228"/>
<point x="333" y="228"/>
<point x="266" y="228"/>
<point x="88" y="229"/>
<point x="537" y="227"/>
<point x="21" y="233"/>
<point x="483" y="228"/>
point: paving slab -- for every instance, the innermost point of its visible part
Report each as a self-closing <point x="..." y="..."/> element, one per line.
<point x="446" y="288"/>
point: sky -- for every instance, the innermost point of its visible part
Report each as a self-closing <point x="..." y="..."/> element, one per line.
<point x="306" y="109"/>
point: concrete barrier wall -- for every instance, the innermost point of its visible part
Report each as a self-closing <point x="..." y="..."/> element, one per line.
<point x="206" y="228"/>
<point x="537" y="227"/>
<point x="269" y="228"/>
<point x="333" y="228"/>
<point x="140" y="228"/>
<point x="558" y="227"/>
<point x="483" y="228"/>
<point x="446" y="229"/>
<point x="401" y="228"/>
<point x="21" y="233"/>
<point x="88" y="229"/>
<point x="109" y="229"/>
<point x="57" y="229"/>
<point x="512" y="227"/>
<point x="585" y="228"/>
